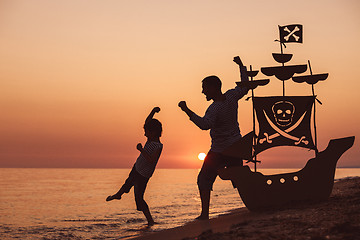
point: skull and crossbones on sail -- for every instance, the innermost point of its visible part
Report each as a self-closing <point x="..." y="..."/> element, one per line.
<point x="283" y="121"/>
<point x="283" y="114"/>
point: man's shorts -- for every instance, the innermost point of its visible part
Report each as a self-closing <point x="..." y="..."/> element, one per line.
<point x="209" y="170"/>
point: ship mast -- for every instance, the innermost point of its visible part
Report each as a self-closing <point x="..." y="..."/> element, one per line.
<point x="252" y="84"/>
<point x="314" y="115"/>
<point x="253" y="113"/>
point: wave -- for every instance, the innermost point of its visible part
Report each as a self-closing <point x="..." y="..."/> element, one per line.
<point x="88" y="220"/>
<point x="135" y="220"/>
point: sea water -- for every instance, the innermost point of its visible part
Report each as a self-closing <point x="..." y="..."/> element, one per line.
<point x="70" y="203"/>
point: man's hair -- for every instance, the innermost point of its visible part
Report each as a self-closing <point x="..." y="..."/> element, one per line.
<point x="212" y="81"/>
<point x="154" y="125"/>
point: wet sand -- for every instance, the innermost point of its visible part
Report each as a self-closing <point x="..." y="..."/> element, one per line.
<point x="336" y="218"/>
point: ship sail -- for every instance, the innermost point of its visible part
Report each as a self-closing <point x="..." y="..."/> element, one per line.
<point x="283" y="121"/>
<point x="284" y="72"/>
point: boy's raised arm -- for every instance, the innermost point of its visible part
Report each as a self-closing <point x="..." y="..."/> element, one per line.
<point x="152" y="113"/>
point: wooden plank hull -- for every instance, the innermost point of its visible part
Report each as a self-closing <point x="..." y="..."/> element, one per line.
<point x="314" y="182"/>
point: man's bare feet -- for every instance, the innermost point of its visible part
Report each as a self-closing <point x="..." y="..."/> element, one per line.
<point x="112" y="197"/>
<point x="201" y="217"/>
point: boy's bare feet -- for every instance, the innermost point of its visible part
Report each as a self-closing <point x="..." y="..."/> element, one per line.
<point x="151" y="223"/>
<point x="112" y="197"/>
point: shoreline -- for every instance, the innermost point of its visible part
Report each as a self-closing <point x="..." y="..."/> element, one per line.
<point x="336" y="218"/>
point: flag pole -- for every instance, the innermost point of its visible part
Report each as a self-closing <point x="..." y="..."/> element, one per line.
<point x="283" y="64"/>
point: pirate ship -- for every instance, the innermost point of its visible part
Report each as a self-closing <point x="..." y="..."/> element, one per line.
<point x="284" y="121"/>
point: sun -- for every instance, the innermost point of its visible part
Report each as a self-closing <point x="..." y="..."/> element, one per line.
<point x="201" y="156"/>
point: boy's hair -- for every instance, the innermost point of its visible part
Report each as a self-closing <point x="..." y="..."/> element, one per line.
<point x="154" y="125"/>
<point x="212" y="81"/>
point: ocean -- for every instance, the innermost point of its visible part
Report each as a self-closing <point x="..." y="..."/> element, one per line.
<point x="70" y="203"/>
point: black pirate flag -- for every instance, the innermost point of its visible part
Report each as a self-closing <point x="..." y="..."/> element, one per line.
<point x="283" y="121"/>
<point x="291" y="33"/>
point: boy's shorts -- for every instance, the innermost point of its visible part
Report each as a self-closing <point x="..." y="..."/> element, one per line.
<point x="139" y="183"/>
<point x="209" y="170"/>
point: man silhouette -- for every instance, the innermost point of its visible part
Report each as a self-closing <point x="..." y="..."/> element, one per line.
<point x="221" y="118"/>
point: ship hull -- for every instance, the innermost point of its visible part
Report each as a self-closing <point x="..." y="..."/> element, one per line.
<point x="314" y="182"/>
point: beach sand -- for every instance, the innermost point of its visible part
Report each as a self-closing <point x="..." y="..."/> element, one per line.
<point x="336" y="218"/>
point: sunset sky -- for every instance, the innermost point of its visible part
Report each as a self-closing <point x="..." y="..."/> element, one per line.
<point x="78" y="78"/>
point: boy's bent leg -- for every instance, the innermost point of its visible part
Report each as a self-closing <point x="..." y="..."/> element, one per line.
<point x="129" y="183"/>
<point x="124" y="189"/>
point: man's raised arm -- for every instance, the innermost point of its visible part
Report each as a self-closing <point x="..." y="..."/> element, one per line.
<point x="243" y="90"/>
<point x="243" y="72"/>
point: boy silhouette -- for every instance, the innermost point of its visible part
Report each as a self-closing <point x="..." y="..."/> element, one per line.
<point x="144" y="166"/>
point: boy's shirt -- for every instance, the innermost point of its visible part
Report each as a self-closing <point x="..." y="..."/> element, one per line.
<point x="142" y="165"/>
